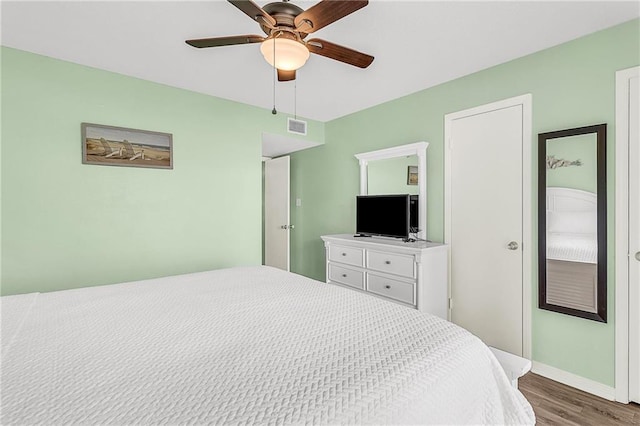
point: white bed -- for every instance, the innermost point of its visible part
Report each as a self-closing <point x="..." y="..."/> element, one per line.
<point x="572" y="225"/>
<point x="246" y="345"/>
<point x="572" y="248"/>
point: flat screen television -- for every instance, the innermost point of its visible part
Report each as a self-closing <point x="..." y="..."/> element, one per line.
<point x="394" y="215"/>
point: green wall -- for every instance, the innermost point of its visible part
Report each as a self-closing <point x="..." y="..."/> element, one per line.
<point x="572" y="85"/>
<point x="66" y="224"/>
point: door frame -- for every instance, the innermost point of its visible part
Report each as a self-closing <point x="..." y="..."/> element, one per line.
<point x="527" y="194"/>
<point x="622" y="285"/>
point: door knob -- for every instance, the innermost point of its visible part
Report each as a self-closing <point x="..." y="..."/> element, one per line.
<point x="638" y="255"/>
<point x="287" y="227"/>
<point x="512" y="245"/>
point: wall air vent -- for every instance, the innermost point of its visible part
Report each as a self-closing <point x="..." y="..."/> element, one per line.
<point x="298" y="127"/>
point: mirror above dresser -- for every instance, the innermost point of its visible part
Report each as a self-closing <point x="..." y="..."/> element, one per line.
<point x="397" y="170"/>
<point x="393" y="176"/>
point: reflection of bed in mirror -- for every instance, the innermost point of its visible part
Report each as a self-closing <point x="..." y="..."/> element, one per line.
<point x="572" y="248"/>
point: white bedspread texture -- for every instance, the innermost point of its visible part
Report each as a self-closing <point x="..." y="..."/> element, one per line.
<point x="250" y="345"/>
<point x="571" y="247"/>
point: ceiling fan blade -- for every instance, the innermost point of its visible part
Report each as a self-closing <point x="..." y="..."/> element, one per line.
<point x="339" y="53"/>
<point x="225" y="41"/>
<point x="254" y="11"/>
<point x="284" y="75"/>
<point x="326" y="12"/>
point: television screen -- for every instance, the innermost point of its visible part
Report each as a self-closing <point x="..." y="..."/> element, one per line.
<point x="383" y="215"/>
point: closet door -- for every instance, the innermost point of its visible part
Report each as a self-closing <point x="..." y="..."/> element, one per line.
<point x="484" y="222"/>
<point x="276" y="213"/>
<point x="627" y="235"/>
<point x="634" y="241"/>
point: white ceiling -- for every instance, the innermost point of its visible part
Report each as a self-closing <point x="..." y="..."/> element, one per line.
<point x="417" y="44"/>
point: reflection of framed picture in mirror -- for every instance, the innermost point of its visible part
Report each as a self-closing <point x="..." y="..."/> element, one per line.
<point x="412" y="175"/>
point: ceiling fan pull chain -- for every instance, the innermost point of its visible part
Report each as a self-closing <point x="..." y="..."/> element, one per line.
<point x="295" y="99"/>
<point x="275" y="75"/>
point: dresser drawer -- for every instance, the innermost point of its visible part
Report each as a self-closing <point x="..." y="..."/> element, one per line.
<point x="346" y="276"/>
<point x="391" y="263"/>
<point x="393" y="289"/>
<point x="349" y="255"/>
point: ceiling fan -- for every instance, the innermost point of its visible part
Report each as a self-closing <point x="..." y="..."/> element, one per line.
<point x="286" y="26"/>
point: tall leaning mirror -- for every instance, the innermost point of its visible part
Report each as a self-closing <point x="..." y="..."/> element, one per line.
<point x="572" y="222"/>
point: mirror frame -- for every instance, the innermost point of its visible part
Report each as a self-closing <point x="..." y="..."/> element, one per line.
<point x="420" y="150"/>
<point x="601" y="207"/>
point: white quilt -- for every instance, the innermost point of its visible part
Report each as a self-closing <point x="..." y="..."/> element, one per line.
<point x="570" y="247"/>
<point x="247" y="345"/>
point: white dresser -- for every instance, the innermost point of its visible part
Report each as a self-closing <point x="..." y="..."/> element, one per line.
<point x="413" y="274"/>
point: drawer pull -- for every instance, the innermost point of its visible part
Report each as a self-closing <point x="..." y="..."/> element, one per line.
<point x="387" y="286"/>
<point x="344" y="275"/>
<point x="344" y="254"/>
<point x="387" y="262"/>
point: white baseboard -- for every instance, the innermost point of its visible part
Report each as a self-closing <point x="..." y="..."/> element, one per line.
<point x="575" y="381"/>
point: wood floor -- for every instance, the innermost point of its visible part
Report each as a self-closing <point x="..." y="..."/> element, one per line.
<point x="558" y="404"/>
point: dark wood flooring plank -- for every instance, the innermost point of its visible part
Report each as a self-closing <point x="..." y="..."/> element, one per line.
<point x="558" y="404"/>
<point x="550" y="419"/>
<point x="561" y="412"/>
<point x="606" y="416"/>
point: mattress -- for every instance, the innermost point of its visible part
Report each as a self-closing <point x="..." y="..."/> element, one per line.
<point x="582" y="248"/>
<point x="246" y="345"/>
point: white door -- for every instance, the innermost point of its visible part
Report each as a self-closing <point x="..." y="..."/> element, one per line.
<point x="627" y="223"/>
<point x="634" y="241"/>
<point x="276" y="213"/>
<point x="485" y="229"/>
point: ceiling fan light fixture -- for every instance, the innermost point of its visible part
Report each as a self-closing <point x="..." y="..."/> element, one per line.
<point x="286" y="26"/>
<point x="289" y="54"/>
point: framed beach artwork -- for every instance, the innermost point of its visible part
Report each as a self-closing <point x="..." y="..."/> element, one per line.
<point x="120" y="146"/>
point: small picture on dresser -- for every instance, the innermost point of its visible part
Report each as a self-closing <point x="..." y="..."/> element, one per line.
<point x="119" y="146"/>
<point x="412" y="175"/>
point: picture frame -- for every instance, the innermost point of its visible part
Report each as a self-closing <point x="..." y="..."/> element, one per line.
<point x="125" y="147"/>
<point x="412" y="175"/>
